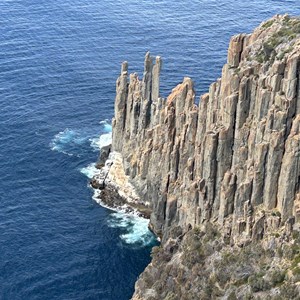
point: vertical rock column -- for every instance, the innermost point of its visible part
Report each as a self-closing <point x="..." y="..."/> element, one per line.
<point x="146" y="95"/>
<point x="119" y="120"/>
<point x="137" y="104"/>
<point x="155" y="79"/>
<point x="223" y="158"/>
<point x="288" y="184"/>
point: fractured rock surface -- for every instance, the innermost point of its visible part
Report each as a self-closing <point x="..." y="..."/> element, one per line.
<point x="231" y="163"/>
<point x="238" y="148"/>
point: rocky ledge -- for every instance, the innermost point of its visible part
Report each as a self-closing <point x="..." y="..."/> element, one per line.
<point x="115" y="189"/>
<point x="222" y="178"/>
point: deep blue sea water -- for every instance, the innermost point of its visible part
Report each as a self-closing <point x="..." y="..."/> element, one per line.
<point x="58" y="64"/>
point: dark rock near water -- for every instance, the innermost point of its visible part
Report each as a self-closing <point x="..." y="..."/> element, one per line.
<point x="97" y="184"/>
<point x="104" y="153"/>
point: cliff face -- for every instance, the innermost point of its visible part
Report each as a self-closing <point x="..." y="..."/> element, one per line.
<point x="232" y="162"/>
<point x="235" y="153"/>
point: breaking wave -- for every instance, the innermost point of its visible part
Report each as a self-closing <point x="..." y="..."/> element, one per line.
<point x="90" y="171"/>
<point x="102" y="141"/>
<point x="106" y="125"/>
<point x="76" y="142"/>
<point x="67" y="142"/>
<point x="135" y="229"/>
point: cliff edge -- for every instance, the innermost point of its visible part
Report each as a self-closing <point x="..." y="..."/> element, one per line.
<point x="222" y="178"/>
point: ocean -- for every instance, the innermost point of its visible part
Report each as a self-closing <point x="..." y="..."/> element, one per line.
<point x="59" y="61"/>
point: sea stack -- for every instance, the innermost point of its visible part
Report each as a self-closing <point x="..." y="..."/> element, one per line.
<point x="221" y="179"/>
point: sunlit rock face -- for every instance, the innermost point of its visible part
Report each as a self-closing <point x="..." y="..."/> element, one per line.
<point x="235" y="153"/>
<point x="231" y="162"/>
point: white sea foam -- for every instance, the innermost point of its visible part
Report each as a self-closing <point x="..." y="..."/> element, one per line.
<point x="102" y="141"/>
<point x="69" y="140"/>
<point x="106" y="125"/>
<point x="97" y="143"/>
<point x="65" y="141"/>
<point x="96" y="196"/>
<point x="90" y="171"/>
<point x="136" y="228"/>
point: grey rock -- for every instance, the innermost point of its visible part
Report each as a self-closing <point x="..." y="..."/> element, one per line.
<point x="233" y="159"/>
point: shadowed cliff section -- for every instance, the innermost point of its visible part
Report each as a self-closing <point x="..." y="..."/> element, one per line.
<point x="231" y="163"/>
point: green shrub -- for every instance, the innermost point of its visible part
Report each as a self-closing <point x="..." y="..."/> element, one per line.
<point x="289" y="31"/>
<point x="276" y="213"/>
<point x="257" y="283"/>
<point x="268" y="24"/>
<point x="232" y="296"/>
<point x="296" y="261"/>
<point x="296" y="235"/>
<point x="241" y="281"/>
<point x="288" y="291"/>
<point x="277" y="277"/>
<point x="260" y="57"/>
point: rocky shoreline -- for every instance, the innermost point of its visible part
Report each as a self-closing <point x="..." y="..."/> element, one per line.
<point x="114" y="190"/>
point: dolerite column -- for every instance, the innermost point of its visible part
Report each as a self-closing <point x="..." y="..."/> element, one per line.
<point x="157" y="102"/>
<point x="146" y="95"/>
<point x="119" y="120"/>
<point x="155" y="79"/>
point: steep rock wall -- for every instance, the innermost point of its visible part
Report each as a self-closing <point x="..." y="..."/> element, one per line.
<point x="230" y="159"/>
<point x="220" y="179"/>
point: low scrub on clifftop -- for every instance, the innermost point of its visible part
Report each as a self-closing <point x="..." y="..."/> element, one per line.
<point x="281" y="41"/>
<point x="202" y="266"/>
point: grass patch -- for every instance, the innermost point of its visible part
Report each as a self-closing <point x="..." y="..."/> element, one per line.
<point x="296" y="261"/>
<point x="268" y="24"/>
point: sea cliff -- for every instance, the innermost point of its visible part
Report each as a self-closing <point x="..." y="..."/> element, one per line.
<point x="220" y="180"/>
